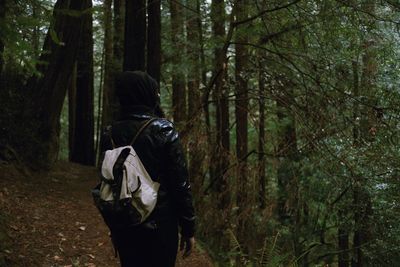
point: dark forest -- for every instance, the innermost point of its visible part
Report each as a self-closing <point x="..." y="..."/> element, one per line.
<point x="288" y="111"/>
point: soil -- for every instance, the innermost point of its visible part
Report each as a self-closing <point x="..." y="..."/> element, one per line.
<point x="50" y="220"/>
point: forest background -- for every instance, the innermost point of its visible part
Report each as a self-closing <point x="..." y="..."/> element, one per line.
<point x="288" y="110"/>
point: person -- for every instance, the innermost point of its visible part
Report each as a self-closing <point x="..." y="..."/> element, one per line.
<point x="154" y="243"/>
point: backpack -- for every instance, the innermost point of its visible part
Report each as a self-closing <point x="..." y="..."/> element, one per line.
<point x="126" y="195"/>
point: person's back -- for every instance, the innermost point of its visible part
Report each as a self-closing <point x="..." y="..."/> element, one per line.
<point x="155" y="242"/>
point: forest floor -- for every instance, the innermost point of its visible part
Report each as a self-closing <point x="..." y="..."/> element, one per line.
<point x="50" y="220"/>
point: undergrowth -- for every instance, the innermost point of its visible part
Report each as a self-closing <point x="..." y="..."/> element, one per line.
<point x="269" y="255"/>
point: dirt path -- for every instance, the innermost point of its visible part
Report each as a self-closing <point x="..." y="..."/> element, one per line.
<point x="51" y="220"/>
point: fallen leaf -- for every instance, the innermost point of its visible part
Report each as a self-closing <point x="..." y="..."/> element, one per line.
<point x="15" y="228"/>
<point x="57" y="258"/>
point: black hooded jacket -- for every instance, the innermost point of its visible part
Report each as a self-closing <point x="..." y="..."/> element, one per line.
<point x="158" y="147"/>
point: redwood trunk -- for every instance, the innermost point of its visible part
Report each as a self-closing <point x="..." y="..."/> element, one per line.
<point x="154" y="39"/>
<point x="343" y="242"/>
<point x="365" y="133"/>
<point x="194" y="100"/>
<point x="241" y="113"/>
<point x="287" y="151"/>
<point x="2" y="16"/>
<point x="109" y="99"/>
<point x="220" y="95"/>
<point x="178" y="78"/>
<point x="118" y="34"/>
<point x="135" y="35"/>
<point x="48" y="91"/>
<point x="261" y="142"/>
<point x="71" y="112"/>
<point x="83" y="146"/>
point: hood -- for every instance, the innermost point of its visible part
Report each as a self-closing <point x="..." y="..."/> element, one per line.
<point x="137" y="88"/>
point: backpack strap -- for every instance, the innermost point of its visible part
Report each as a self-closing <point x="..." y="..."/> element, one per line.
<point x="112" y="142"/>
<point x="136" y="136"/>
<point x="141" y="130"/>
<point x="108" y="131"/>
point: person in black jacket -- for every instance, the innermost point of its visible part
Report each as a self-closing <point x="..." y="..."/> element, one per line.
<point x="155" y="242"/>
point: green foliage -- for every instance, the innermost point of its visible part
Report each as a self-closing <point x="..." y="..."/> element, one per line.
<point x="23" y="31"/>
<point x="269" y="255"/>
<point x="313" y="56"/>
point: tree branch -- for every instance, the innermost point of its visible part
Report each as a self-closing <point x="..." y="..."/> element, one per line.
<point x="237" y="23"/>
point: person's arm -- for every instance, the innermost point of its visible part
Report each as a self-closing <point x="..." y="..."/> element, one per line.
<point x="178" y="181"/>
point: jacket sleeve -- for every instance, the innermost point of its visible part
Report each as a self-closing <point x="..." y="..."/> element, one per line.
<point x="178" y="180"/>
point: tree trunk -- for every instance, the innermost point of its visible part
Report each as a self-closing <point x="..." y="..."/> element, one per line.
<point x="47" y="92"/>
<point x="109" y="99"/>
<point x="83" y="146"/>
<point x="205" y="98"/>
<point x="241" y="114"/>
<point x="289" y="208"/>
<point x="219" y="158"/>
<point x="2" y="17"/>
<point x="135" y="35"/>
<point x="364" y="132"/>
<point x="35" y="31"/>
<point x="154" y="39"/>
<point x="118" y="34"/>
<point x="72" y="112"/>
<point x="220" y="95"/>
<point x="287" y="152"/>
<point x="196" y="153"/>
<point x="261" y="141"/>
<point x="343" y="242"/>
<point x="178" y="77"/>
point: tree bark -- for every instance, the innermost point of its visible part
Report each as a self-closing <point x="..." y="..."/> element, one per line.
<point x="287" y="152"/>
<point x="72" y="112"/>
<point x="109" y="98"/>
<point x="241" y="113"/>
<point x="219" y="158"/>
<point x="196" y="153"/>
<point x="135" y="35"/>
<point x="118" y="34"/>
<point x="261" y="141"/>
<point x="154" y="39"/>
<point x="35" y="31"/>
<point x="289" y="208"/>
<point x="47" y="92"/>
<point x="205" y="95"/>
<point x="83" y="146"/>
<point x="178" y="76"/>
<point x="2" y="17"/>
<point x="343" y="240"/>
<point x="364" y="132"/>
<point x="220" y="95"/>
